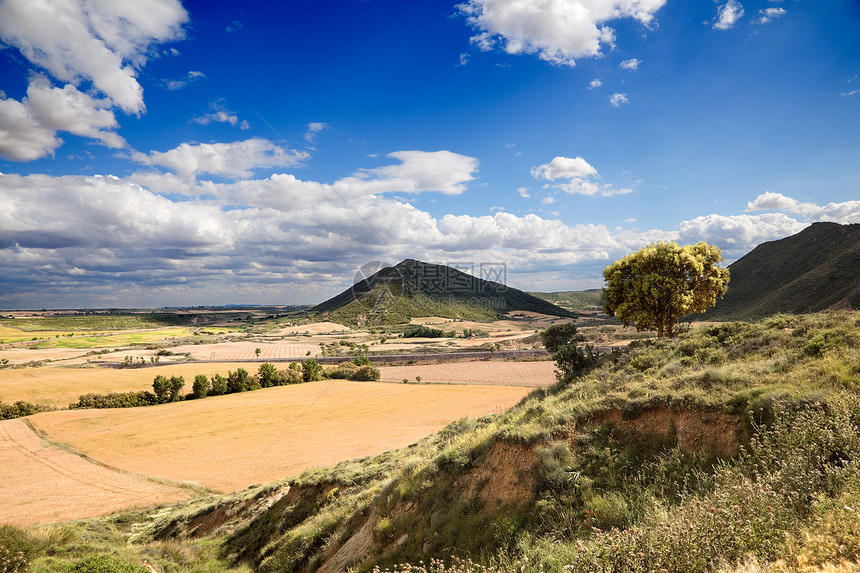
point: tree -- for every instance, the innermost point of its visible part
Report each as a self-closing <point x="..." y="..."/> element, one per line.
<point x="176" y="385"/>
<point x="161" y="388"/>
<point x="312" y="370"/>
<point x="238" y="381"/>
<point x="201" y="386"/>
<point x="657" y="285"/>
<point x="267" y="375"/>
<point x="562" y="342"/>
<point x="257" y="352"/>
<point x="218" y="385"/>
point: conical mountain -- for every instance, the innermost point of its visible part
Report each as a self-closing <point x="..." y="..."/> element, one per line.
<point x="414" y="288"/>
<point x="816" y="269"/>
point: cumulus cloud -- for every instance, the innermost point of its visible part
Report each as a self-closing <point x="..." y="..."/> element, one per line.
<point x="28" y="129"/>
<point x="631" y="65"/>
<point x="418" y="171"/>
<point x="564" y="168"/>
<point x="768" y="14"/>
<point x="110" y="237"/>
<point x="617" y="99"/>
<point x="595" y="83"/>
<point x="101" y="41"/>
<point x="846" y="212"/>
<point x="582" y="177"/>
<point x="738" y="234"/>
<point x="232" y="160"/>
<point x="728" y="14"/>
<point x="557" y="31"/>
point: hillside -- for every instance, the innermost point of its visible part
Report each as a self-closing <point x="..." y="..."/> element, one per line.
<point x="730" y="448"/>
<point x="413" y="289"/>
<point x="814" y="270"/>
<point x="590" y="299"/>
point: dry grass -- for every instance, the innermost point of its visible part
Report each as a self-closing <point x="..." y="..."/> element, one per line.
<point x="61" y="386"/>
<point x="540" y="374"/>
<point x="227" y="443"/>
<point x="44" y="484"/>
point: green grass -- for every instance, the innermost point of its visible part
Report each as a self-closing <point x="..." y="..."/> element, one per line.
<point x="114" y="340"/>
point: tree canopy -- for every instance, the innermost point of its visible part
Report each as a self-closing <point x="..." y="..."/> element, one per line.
<point x="662" y="282"/>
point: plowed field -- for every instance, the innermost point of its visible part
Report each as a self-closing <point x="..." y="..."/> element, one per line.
<point x="538" y="374"/>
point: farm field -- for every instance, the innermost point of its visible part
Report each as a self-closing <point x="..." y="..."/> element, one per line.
<point x="537" y="374"/>
<point x="247" y="350"/>
<point x="58" y="387"/>
<point x="45" y="484"/>
<point x="227" y="443"/>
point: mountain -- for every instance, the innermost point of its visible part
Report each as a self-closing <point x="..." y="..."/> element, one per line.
<point x="413" y="288"/>
<point x="816" y="269"/>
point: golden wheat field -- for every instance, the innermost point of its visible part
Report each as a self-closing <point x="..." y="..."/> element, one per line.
<point x="227" y="443"/>
<point x="59" y="387"/>
<point x="45" y="484"/>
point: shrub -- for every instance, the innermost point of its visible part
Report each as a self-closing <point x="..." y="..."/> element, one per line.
<point x="20" y="409"/>
<point x="367" y="373"/>
<point x="421" y="331"/>
<point x="238" y="381"/>
<point x="342" y="371"/>
<point x="116" y="400"/>
<point x="291" y="375"/>
<point x="107" y="564"/>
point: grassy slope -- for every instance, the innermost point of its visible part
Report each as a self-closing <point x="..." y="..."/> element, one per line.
<point x="597" y="498"/>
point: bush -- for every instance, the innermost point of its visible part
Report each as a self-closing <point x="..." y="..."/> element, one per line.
<point x="20" y="409"/>
<point x="368" y="373"/>
<point x="267" y="375"/>
<point x="342" y="371"/>
<point x="291" y="375"/>
<point x="116" y="400"/>
<point x="107" y="564"/>
<point x="238" y="381"/>
<point x="420" y="331"/>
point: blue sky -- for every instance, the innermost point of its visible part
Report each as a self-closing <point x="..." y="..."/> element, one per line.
<point x="163" y="153"/>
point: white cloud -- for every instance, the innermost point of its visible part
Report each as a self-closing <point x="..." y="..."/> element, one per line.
<point x="464" y="59"/>
<point x="728" y="14"/>
<point x="851" y="93"/>
<point x="100" y="41"/>
<point x="234" y="160"/>
<point x="221" y="114"/>
<point x="769" y="14"/>
<point x="190" y="77"/>
<point x="617" y="99"/>
<point x="314" y="128"/>
<point x="418" y="171"/>
<point x="564" y="168"/>
<point x="28" y="129"/>
<point x="595" y="83"/>
<point x="738" y="234"/>
<point x="583" y="177"/>
<point x="557" y="31"/>
<point x="844" y="213"/>
<point x="631" y="65"/>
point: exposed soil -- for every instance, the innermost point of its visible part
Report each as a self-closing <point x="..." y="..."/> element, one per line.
<point x="533" y="374"/>
<point x="692" y="431"/>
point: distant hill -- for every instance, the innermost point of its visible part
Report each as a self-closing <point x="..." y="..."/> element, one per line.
<point x="413" y="288"/>
<point x="589" y="299"/>
<point x="814" y="270"/>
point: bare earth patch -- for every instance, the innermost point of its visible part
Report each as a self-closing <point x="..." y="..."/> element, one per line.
<point x="44" y="484"/>
<point x="247" y="350"/>
<point x="538" y="374"/>
<point x="228" y="443"/>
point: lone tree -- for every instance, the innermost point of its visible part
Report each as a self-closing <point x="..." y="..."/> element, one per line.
<point x="655" y="286"/>
<point x="565" y="345"/>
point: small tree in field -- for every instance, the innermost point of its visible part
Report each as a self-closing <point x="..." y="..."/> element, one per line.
<point x="312" y="370"/>
<point x="657" y="285"/>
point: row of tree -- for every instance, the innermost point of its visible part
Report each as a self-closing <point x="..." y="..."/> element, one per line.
<point x="166" y="389"/>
